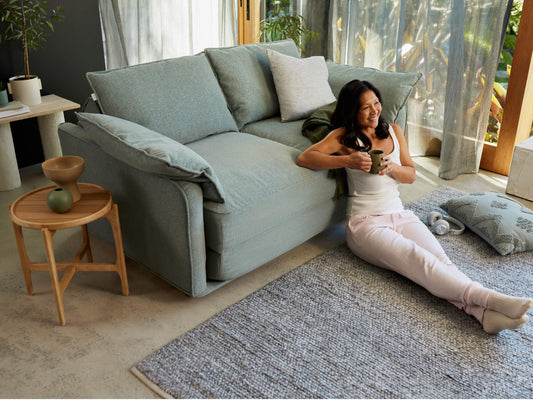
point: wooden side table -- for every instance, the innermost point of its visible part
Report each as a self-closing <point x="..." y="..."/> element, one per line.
<point x="49" y="115"/>
<point x="31" y="211"/>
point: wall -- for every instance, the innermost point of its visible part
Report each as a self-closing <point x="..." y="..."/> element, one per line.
<point x="74" y="48"/>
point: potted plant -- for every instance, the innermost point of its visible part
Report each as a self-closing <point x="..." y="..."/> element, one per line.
<point x="282" y="23"/>
<point x="28" y="22"/>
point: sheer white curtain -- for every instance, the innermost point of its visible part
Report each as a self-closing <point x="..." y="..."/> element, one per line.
<point x="139" y="31"/>
<point x="454" y="44"/>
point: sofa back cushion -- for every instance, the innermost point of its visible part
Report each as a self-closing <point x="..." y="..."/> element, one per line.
<point x="179" y="98"/>
<point x="245" y="77"/>
<point x="395" y="87"/>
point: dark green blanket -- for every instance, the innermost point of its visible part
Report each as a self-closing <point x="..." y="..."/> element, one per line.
<point x="316" y="128"/>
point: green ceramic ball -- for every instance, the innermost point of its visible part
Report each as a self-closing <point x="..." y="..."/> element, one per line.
<point x="59" y="200"/>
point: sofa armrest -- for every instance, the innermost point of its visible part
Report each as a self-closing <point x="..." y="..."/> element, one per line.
<point x="149" y="151"/>
<point x="162" y="220"/>
<point x="395" y="87"/>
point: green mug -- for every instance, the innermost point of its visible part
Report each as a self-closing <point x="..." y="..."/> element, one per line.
<point x="377" y="156"/>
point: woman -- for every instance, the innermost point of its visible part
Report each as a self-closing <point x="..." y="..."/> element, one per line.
<point x="378" y="229"/>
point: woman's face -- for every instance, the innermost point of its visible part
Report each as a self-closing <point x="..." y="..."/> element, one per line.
<point x="368" y="114"/>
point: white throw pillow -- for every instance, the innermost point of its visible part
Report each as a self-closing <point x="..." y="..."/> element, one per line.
<point x="301" y="84"/>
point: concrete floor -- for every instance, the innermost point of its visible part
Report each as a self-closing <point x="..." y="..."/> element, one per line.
<point x="107" y="333"/>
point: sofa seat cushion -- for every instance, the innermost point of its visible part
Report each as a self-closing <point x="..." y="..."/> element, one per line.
<point x="246" y="79"/>
<point x="288" y="133"/>
<point x="264" y="189"/>
<point x="163" y="95"/>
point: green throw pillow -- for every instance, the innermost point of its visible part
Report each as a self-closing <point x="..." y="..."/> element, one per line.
<point x="395" y="87"/>
<point x="151" y="152"/>
<point x="501" y="221"/>
<point x="244" y="75"/>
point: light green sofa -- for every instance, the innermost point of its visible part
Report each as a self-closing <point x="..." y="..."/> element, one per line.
<point x="202" y="168"/>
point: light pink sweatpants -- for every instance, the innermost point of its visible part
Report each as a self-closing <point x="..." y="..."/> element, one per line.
<point x="402" y="243"/>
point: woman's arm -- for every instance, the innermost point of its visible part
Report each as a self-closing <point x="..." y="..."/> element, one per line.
<point x="324" y="155"/>
<point x="405" y="173"/>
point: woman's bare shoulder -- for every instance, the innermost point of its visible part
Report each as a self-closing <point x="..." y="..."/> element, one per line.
<point x="331" y="143"/>
<point x="336" y="133"/>
<point x="396" y="128"/>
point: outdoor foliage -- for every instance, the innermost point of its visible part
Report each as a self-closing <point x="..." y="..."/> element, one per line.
<point x="509" y="43"/>
<point x="424" y="45"/>
<point x="281" y="22"/>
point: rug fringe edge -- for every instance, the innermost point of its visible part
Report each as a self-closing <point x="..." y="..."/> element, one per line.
<point x="151" y="385"/>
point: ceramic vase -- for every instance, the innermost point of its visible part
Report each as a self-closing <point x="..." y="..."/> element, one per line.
<point x="65" y="171"/>
<point x="59" y="200"/>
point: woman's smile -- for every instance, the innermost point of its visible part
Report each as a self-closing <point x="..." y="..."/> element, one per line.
<point x="370" y="110"/>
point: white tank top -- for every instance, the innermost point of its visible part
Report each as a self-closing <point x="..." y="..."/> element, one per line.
<point x="374" y="194"/>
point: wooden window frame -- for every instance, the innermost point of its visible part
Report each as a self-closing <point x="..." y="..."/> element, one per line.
<point x="518" y="107"/>
<point x="248" y="21"/>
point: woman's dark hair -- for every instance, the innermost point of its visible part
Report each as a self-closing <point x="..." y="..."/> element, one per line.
<point x="345" y="115"/>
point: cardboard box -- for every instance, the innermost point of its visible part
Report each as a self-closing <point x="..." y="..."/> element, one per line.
<point x="520" y="182"/>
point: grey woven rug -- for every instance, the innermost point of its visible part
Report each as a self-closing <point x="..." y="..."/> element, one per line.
<point x="337" y="327"/>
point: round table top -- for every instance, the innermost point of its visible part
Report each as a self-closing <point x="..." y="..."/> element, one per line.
<point x="31" y="211"/>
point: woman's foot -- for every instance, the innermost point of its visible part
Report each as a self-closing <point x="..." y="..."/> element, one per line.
<point x="513" y="307"/>
<point x="495" y="322"/>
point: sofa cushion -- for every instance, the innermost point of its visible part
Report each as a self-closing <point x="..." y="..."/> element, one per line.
<point x="498" y="219"/>
<point x="264" y="189"/>
<point x="288" y="133"/>
<point x="151" y="152"/>
<point x="301" y="84"/>
<point x="164" y="95"/>
<point x="395" y="87"/>
<point x="245" y="77"/>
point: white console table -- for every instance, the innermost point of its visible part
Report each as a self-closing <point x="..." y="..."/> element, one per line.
<point x="49" y="115"/>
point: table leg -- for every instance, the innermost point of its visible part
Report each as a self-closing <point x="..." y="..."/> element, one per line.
<point x="47" y="236"/>
<point x="85" y="248"/>
<point x="9" y="171"/>
<point x="112" y="217"/>
<point x="48" y="129"/>
<point x="87" y="243"/>
<point x="25" y="262"/>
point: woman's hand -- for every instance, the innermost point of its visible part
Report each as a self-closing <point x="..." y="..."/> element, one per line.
<point x="388" y="164"/>
<point x="402" y="173"/>
<point x="359" y="160"/>
<point x="329" y="153"/>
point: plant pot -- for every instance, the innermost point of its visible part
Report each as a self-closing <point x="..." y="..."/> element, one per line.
<point x="4" y="101"/>
<point x="27" y="91"/>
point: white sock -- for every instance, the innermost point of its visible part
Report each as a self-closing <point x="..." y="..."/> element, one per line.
<point x="495" y="322"/>
<point x="513" y="307"/>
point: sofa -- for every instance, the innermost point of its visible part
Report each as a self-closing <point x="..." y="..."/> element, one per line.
<point x="199" y="153"/>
